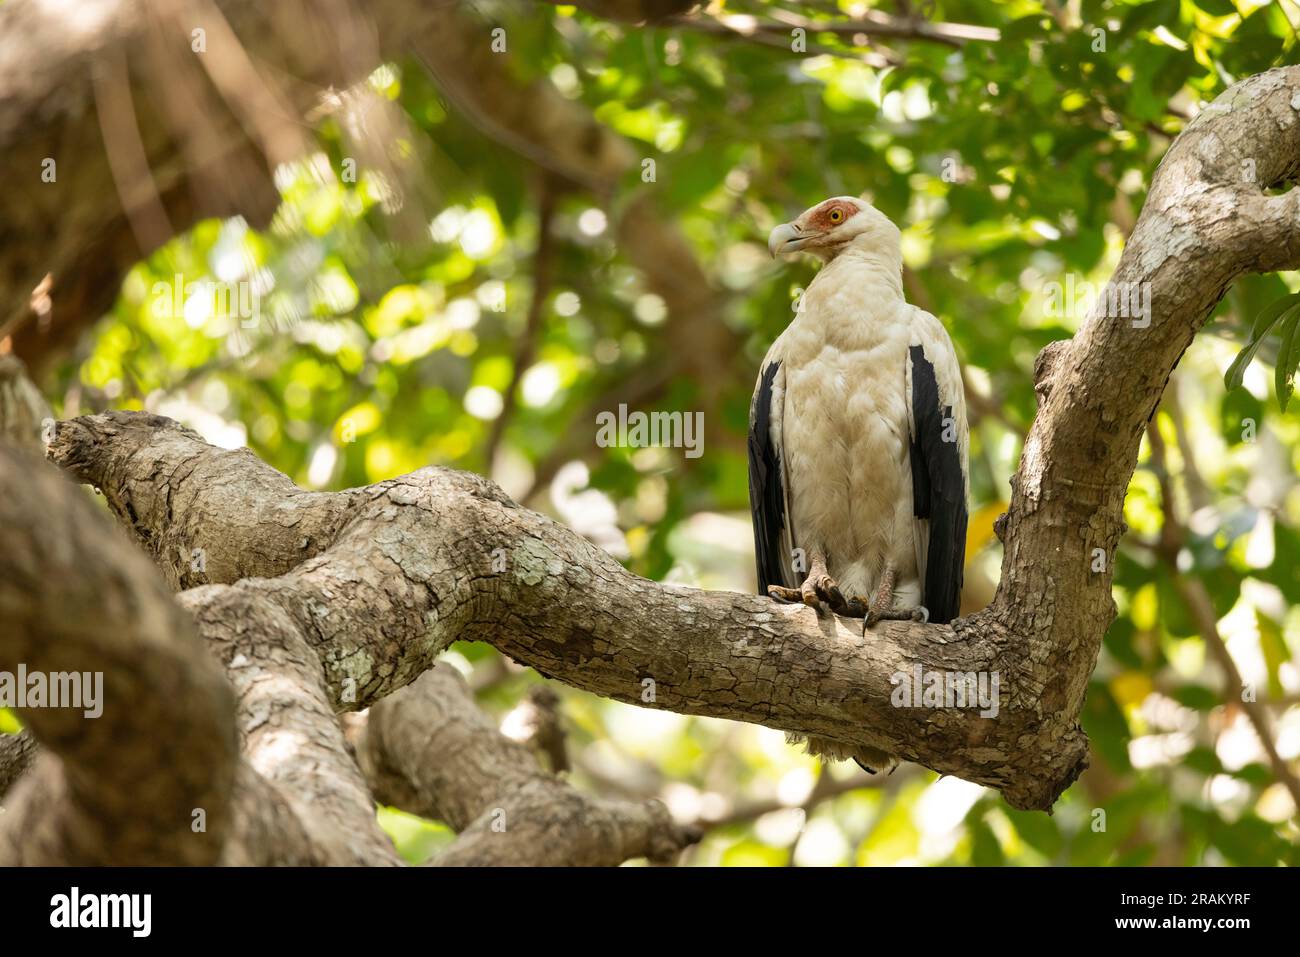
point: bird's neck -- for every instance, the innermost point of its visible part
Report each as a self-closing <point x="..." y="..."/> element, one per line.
<point x="854" y="302"/>
<point x="869" y="265"/>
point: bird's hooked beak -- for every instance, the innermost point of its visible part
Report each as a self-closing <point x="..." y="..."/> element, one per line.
<point x="786" y="238"/>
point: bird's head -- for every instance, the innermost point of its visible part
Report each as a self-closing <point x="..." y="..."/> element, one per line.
<point x="834" y="225"/>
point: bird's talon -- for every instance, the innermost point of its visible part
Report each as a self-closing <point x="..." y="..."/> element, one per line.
<point x="788" y="596"/>
<point x="855" y="607"/>
<point x="899" y="614"/>
<point x="828" y="591"/>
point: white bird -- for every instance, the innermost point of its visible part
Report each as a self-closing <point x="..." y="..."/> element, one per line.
<point x="858" y="441"/>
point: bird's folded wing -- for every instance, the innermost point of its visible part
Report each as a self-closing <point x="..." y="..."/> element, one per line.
<point x="939" y="456"/>
<point x="767" y="480"/>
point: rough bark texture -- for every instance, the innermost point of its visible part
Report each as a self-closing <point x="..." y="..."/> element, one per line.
<point x="17" y="754"/>
<point x="157" y="778"/>
<point x="1203" y="225"/>
<point x="317" y="604"/>
<point x="23" y="410"/>
<point x="75" y="597"/>
<point x="427" y="749"/>
<point x="268" y="767"/>
<point x="118" y="793"/>
<point x="438" y="555"/>
<point x="393" y="573"/>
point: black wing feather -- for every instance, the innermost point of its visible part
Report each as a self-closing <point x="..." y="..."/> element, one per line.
<point x="766" y="496"/>
<point x="938" y="491"/>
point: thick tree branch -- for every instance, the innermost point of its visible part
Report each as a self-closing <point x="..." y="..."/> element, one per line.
<point x="75" y="598"/>
<point x="402" y="568"/>
<point x="17" y="754"/>
<point x="438" y="556"/>
<point x="1204" y="224"/>
<point x="155" y="777"/>
<point x="149" y="468"/>
<point x="430" y="750"/>
<point x="23" y="410"/>
<point x="288" y="730"/>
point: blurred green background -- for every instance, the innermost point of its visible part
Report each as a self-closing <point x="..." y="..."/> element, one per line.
<point x="1011" y="165"/>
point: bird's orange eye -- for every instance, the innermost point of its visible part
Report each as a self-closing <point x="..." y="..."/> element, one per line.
<point x="837" y="216"/>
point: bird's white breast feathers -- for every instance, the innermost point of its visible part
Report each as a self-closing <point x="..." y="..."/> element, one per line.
<point x="843" y="424"/>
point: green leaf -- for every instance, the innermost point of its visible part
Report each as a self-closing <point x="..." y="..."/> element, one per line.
<point x="1204" y="760"/>
<point x="1255" y="773"/>
<point x="1264" y="322"/>
<point x="1038" y="831"/>
<point x="748" y="853"/>
<point x="985" y="849"/>
<point x="1273" y="646"/>
<point x="1024" y="28"/>
<point x="1288" y="357"/>
<point x="1196" y="696"/>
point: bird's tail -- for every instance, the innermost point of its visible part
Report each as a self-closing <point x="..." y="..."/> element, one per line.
<point x="872" y="760"/>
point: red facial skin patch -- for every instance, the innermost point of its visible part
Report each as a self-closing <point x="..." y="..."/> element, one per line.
<point x="821" y="218"/>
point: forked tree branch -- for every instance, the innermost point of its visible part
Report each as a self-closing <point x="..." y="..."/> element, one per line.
<point x="429" y="750"/>
<point x="166" y="766"/>
<point x="383" y="578"/>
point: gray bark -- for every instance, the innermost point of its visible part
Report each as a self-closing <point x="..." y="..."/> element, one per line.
<point x="74" y="596"/>
<point x="317" y="604"/>
<point x="178" y="770"/>
<point x="427" y="749"/>
<point x="395" y="572"/>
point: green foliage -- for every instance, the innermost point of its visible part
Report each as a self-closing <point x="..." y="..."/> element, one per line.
<point x="1284" y="315"/>
<point x="1010" y="165"/>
